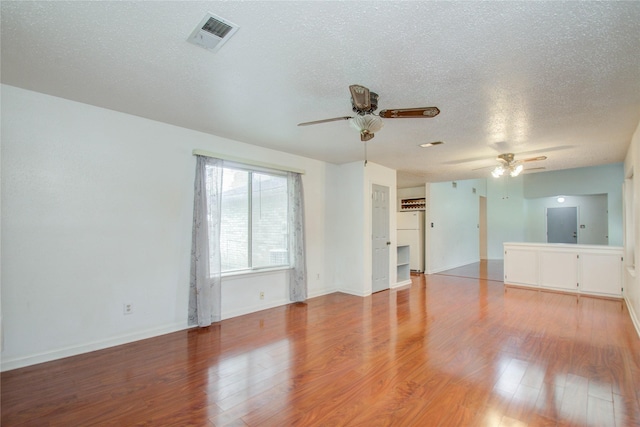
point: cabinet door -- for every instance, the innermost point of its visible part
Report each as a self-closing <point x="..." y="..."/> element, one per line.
<point x="559" y="270"/>
<point x="601" y="274"/>
<point x="521" y="267"/>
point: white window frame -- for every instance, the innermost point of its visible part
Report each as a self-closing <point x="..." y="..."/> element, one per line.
<point x="251" y="269"/>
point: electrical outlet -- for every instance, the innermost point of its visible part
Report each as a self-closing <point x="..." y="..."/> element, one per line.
<point x="127" y="308"/>
<point x="262" y="295"/>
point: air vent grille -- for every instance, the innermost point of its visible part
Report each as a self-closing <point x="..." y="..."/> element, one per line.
<point x="212" y="32"/>
<point x="217" y="28"/>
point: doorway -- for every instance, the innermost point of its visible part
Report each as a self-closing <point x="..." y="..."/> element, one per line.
<point x="562" y="225"/>
<point x="380" y="237"/>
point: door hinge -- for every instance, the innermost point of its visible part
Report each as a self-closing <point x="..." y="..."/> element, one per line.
<point x="621" y="258"/>
<point x="578" y="256"/>
<point x="577" y="285"/>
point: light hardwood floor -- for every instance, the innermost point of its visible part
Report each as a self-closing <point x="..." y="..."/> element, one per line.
<point x="445" y="351"/>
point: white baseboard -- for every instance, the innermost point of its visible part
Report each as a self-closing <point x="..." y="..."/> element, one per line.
<point x="352" y="292"/>
<point x="254" y="309"/>
<point x="401" y="284"/>
<point x="21" y="362"/>
<point x="272" y="304"/>
<point x="322" y="293"/>
<point x="633" y="315"/>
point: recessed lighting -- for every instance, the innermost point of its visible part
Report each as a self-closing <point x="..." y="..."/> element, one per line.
<point x="430" y="144"/>
<point x="560" y="199"/>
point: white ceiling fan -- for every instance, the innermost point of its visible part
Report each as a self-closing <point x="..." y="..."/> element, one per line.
<point x="513" y="167"/>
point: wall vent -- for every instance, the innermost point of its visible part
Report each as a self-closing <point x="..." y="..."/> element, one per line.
<point x="212" y="32"/>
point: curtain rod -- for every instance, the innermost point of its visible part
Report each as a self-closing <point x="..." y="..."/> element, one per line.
<point x="247" y="162"/>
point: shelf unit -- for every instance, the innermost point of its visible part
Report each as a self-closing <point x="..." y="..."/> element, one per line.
<point x="404" y="272"/>
<point x="416" y="204"/>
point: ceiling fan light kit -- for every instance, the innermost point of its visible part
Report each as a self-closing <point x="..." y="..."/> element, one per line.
<point x="509" y="164"/>
<point x="513" y="169"/>
<point x="367" y="125"/>
<point x="497" y="172"/>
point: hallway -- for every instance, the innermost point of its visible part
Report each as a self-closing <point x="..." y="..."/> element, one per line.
<point x="488" y="269"/>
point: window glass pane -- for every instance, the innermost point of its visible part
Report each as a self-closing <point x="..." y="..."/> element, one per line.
<point x="269" y="220"/>
<point x="234" y="226"/>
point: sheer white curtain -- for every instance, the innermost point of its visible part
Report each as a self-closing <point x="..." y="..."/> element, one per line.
<point x="298" y="271"/>
<point x="205" y="283"/>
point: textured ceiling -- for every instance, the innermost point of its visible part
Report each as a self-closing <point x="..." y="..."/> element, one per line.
<point x="534" y="78"/>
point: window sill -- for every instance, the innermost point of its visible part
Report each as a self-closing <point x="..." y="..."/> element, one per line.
<point x="247" y="273"/>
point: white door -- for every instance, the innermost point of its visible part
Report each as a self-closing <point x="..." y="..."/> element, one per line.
<point x="562" y="225"/>
<point x="380" y="236"/>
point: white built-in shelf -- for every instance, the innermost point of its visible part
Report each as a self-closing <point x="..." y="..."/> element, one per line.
<point x="417" y="204"/>
<point x="403" y="269"/>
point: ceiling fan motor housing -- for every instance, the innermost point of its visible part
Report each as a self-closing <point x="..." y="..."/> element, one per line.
<point x="506" y="157"/>
<point x="373" y="105"/>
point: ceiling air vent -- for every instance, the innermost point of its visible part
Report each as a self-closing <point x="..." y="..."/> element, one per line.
<point x="212" y="32"/>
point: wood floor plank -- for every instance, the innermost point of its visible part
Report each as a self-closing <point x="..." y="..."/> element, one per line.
<point x="450" y="350"/>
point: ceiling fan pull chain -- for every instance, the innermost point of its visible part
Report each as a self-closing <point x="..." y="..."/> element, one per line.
<point x="365" y="154"/>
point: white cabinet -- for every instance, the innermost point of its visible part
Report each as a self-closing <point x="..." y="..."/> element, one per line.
<point x="404" y="271"/>
<point x="601" y="273"/>
<point x="558" y="270"/>
<point x="521" y="266"/>
<point x="587" y="269"/>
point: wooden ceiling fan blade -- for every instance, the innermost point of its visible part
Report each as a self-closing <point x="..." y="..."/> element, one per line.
<point x="315" y="122"/>
<point x="533" y="169"/>
<point x="534" y="159"/>
<point x="400" y="113"/>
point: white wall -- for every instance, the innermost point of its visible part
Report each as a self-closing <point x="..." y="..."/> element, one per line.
<point x="96" y="211"/>
<point x="592" y="214"/>
<point x="453" y="240"/>
<point x="353" y="184"/>
<point x="632" y="276"/>
<point x="505" y="214"/>
<point x="348" y="228"/>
